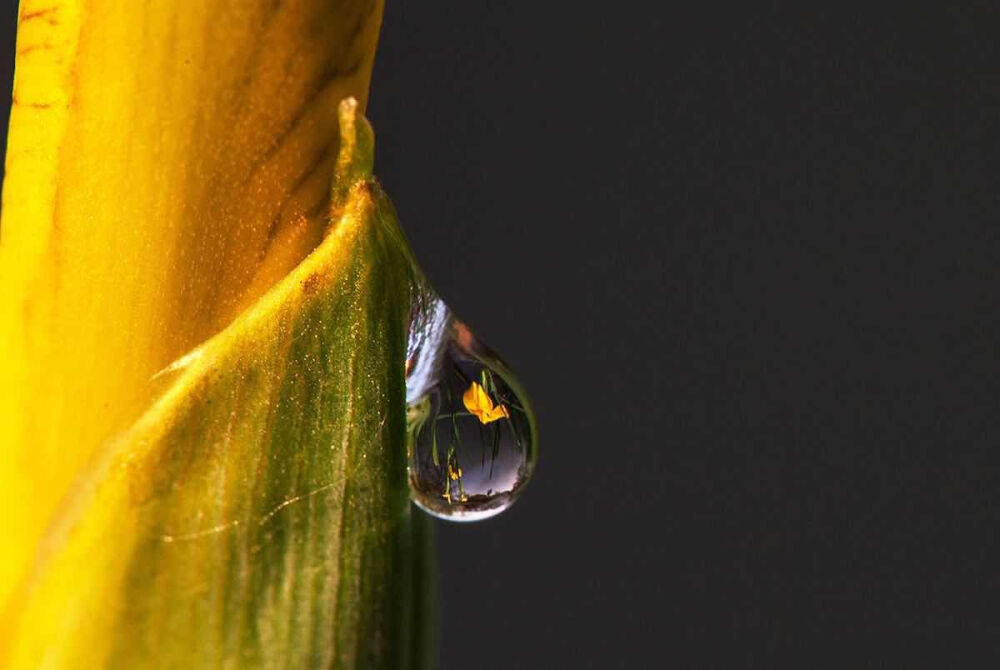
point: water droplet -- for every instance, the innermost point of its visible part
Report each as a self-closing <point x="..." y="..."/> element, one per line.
<point x="471" y="442"/>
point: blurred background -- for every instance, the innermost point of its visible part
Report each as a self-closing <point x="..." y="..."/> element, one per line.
<point x="745" y="263"/>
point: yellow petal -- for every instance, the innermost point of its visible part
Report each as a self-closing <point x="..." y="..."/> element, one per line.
<point x="167" y="163"/>
<point x="498" y="412"/>
<point x="478" y="402"/>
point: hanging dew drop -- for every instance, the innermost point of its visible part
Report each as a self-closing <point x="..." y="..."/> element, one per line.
<point x="471" y="432"/>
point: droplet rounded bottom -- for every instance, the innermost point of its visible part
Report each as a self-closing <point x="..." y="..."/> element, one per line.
<point x="471" y="431"/>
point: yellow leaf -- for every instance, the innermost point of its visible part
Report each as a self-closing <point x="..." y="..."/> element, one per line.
<point x="202" y="409"/>
<point x="167" y="162"/>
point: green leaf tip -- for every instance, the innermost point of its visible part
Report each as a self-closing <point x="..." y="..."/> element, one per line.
<point x="356" y="157"/>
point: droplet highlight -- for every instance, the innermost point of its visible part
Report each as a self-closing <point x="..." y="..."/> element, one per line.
<point x="471" y="432"/>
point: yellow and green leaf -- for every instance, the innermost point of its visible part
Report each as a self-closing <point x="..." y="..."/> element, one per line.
<point x="202" y="317"/>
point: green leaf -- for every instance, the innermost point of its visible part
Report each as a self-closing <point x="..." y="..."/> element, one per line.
<point x="257" y="515"/>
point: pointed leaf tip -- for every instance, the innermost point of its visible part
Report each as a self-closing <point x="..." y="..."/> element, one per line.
<point x="356" y="158"/>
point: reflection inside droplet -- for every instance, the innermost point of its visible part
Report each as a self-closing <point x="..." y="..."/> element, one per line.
<point x="471" y="431"/>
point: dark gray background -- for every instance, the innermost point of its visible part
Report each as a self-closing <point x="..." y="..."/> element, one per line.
<point x="747" y="265"/>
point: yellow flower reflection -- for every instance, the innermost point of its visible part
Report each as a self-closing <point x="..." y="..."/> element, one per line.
<point x="479" y="403"/>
